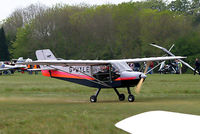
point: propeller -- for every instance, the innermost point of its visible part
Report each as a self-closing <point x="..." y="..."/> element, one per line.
<point x="139" y="85"/>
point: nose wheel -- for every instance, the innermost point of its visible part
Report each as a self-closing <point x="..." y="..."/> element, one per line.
<point x="93" y="98"/>
<point x="131" y="98"/>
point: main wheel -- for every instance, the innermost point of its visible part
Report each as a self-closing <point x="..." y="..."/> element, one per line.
<point x="131" y="98"/>
<point x="121" y="97"/>
<point x="93" y="98"/>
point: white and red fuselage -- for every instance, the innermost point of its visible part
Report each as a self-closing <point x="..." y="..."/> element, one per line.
<point x="98" y="76"/>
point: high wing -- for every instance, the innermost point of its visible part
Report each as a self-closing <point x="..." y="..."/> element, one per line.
<point x="96" y="62"/>
<point x="5" y="67"/>
<point x="15" y="66"/>
<point x="168" y="52"/>
<point x="152" y="59"/>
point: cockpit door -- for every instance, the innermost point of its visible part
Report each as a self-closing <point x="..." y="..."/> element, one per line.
<point x="105" y="73"/>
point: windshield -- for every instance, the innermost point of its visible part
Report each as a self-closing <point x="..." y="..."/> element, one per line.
<point x="121" y="66"/>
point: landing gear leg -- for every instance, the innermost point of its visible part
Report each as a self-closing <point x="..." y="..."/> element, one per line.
<point x="131" y="97"/>
<point x="121" y="96"/>
<point x="93" y="98"/>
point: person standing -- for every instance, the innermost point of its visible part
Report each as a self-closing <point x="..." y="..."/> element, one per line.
<point x="197" y="66"/>
<point x="151" y="67"/>
<point x="136" y="66"/>
<point x="176" y="65"/>
<point x="180" y="67"/>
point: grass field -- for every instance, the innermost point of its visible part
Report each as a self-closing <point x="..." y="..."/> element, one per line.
<point x="33" y="104"/>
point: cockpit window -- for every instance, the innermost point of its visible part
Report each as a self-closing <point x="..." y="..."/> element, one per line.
<point x="105" y="72"/>
<point x="121" y="66"/>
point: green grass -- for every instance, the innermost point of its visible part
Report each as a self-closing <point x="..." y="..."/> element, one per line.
<point x="33" y="104"/>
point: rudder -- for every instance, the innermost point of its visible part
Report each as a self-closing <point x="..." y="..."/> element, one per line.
<point x="45" y="54"/>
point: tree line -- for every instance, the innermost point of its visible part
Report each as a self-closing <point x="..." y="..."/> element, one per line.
<point x="106" y="31"/>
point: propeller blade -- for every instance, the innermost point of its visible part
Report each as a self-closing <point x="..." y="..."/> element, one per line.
<point x="139" y="85"/>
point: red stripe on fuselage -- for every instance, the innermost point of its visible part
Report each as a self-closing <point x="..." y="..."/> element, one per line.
<point x="61" y="74"/>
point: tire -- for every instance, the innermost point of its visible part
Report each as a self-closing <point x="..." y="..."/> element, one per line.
<point x="121" y="97"/>
<point x="131" y="98"/>
<point x="93" y="98"/>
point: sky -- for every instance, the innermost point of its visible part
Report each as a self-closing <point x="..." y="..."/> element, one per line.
<point x="8" y="6"/>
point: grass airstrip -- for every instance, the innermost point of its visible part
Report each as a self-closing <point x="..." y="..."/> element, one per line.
<point x="33" y="104"/>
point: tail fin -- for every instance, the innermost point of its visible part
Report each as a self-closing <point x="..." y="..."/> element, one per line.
<point x="45" y="54"/>
<point x="19" y="60"/>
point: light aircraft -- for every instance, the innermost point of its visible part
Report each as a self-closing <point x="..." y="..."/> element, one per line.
<point x="11" y="67"/>
<point x="171" y="54"/>
<point x="165" y="68"/>
<point x="95" y="73"/>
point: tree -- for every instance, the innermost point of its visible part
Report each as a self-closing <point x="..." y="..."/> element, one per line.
<point x="101" y="32"/>
<point x="159" y="5"/>
<point x="180" y="6"/>
<point x="195" y="6"/>
<point x="4" y="54"/>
